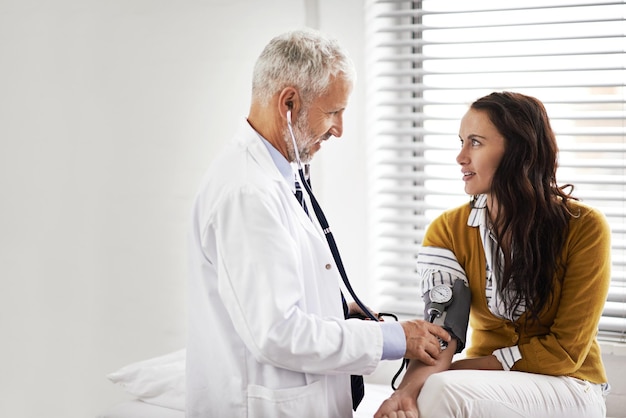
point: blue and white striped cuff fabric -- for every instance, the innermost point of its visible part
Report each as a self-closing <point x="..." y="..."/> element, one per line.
<point x="438" y="266"/>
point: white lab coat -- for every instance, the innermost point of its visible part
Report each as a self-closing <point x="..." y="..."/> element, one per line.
<point x="267" y="336"/>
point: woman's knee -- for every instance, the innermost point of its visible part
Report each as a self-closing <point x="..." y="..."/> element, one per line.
<point x="442" y="395"/>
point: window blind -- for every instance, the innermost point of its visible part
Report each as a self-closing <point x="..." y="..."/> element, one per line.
<point x="428" y="60"/>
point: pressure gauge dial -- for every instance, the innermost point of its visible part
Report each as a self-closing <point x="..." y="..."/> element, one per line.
<point x="441" y="294"/>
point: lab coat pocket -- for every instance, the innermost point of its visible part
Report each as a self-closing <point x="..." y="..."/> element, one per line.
<point x="302" y="401"/>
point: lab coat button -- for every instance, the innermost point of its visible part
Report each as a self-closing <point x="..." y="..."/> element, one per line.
<point x="328" y="266"/>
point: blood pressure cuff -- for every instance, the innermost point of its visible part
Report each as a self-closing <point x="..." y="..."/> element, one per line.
<point x="455" y="316"/>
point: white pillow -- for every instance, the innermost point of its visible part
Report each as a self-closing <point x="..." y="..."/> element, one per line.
<point x="158" y="381"/>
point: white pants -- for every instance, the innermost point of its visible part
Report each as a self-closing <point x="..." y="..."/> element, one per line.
<point x="508" y="394"/>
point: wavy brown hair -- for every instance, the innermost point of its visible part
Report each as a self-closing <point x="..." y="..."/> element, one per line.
<point x="532" y="208"/>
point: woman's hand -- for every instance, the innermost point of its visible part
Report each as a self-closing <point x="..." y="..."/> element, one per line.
<point x="399" y="405"/>
<point x="403" y="402"/>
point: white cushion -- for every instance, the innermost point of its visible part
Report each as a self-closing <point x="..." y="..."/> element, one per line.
<point x="158" y="381"/>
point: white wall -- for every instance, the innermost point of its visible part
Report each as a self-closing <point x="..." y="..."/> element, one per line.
<point x="110" y="111"/>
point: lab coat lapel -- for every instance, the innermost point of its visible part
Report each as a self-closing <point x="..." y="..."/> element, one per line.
<point x="251" y="141"/>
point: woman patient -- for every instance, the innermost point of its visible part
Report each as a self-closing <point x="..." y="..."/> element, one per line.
<point x="537" y="262"/>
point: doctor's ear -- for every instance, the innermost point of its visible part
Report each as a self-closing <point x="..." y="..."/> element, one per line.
<point x="288" y="102"/>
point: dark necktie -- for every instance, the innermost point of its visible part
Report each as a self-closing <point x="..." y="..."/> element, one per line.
<point x="356" y="381"/>
<point x="300" y="197"/>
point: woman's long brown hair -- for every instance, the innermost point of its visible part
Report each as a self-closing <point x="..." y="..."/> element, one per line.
<point x="532" y="208"/>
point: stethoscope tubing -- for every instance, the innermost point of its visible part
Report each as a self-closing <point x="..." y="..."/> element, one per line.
<point x="326" y="227"/>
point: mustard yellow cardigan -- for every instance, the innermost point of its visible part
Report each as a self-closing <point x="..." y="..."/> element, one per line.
<point x="563" y="343"/>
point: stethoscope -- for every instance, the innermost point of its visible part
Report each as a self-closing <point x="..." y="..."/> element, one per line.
<point x="325" y="227"/>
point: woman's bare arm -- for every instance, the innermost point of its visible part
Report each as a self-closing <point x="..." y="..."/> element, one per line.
<point x="477" y="363"/>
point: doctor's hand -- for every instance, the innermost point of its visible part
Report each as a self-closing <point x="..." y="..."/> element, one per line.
<point x="422" y="340"/>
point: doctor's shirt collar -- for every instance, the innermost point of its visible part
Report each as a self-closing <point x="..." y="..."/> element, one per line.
<point x="281" y="163"/>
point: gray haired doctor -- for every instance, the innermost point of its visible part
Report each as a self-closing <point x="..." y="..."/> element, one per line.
<point x="267" y="332"/>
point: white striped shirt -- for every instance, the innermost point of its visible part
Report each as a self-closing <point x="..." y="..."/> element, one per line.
<point x="496" y="299"/>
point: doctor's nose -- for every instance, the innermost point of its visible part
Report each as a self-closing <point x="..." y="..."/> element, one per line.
<point x="337" y="129"/>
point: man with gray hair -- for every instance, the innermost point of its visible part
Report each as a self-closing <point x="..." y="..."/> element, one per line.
<point x="267" y="332"/>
